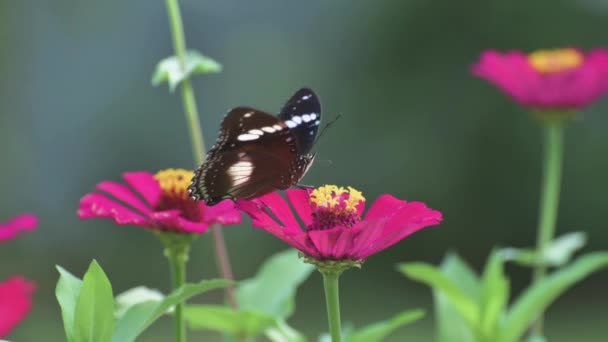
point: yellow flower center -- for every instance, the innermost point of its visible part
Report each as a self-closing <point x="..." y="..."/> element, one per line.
<point x="335" y="206"/>
<point x="174" y="182"/>
<point x="555" y="61"/>
<point x="174" y="185"/>
<point x="333" y="197"/>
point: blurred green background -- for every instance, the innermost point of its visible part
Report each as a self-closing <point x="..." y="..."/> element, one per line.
<point x="77" y="107"/>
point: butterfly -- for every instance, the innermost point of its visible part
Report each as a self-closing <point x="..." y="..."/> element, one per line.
<point x="257" y="153"/>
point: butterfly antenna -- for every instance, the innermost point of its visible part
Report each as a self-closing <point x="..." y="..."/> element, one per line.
<point x="323" y="161"/>
<point x="327" y="125"/>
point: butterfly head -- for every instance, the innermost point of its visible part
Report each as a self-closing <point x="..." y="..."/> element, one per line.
<point x="305" y="162"/>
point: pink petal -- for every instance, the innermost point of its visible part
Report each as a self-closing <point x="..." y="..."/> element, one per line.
<point x="332" y="243"/>
<point x="145" y="184"/>
<point x="124" y="194"/>
<point x="344" y="245"/>
<point x="192" y="227"/>
<point x="18" y="224"/>
<point x="280" y="209"/>
<point x="369" y="235"/>
<point x="224" y="213"/>
<point x="295" y="237"/>
<point x="171" y="220"/>
<point x="15" y="302"/>
<point x="360" y="208"/>
<point x="99" y="206"/>
<point x="300" y="242"/>
<point x="300" y="200"/>
<point x="385" y="206"/>
<point x="406" y="221"/>
<point x="258" y="215"/>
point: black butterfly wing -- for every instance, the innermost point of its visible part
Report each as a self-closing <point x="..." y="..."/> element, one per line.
<point x="253" y="155"/>
<point x="302" y="113"/>
<point x="236" y="174"/>
<point x="244" y="126"/>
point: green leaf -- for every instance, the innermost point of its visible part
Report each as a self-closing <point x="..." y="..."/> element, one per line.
<point x="495" y="295"/>
<point x="557" y="254"/>
<point x="282" y="332"/>
<point x="380" y="330"/>
<point x="94" y="315"/>
<point x="535" y="337"/>
<point x="462" y="275"/>
<point x="520" y="256"/>
<point x="347" y="330"/>
<point x="226" y="320"/>
<point x="67" y="292"/>
<point x="272" y="290"/>
<point x="450" y="324"/>
<point x="537" y="298"/>
<point x="170" y="70"/>
<point x="136" y="295"/>
<point x="141" y="316"/>
<point x="563" y="248"/>
<point x="430" y="275"/>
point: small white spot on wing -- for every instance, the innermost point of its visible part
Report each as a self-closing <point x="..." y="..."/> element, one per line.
<point x="256" y="131"/>
<point x="277" y="127"/>
<point x="248" y="114"/>
<point x="313" y="116"/>
<point x="306" y="117"/>
<point x="297" y="119"/>
<point x="290" y="124"/>
<point x="247" y="137"/>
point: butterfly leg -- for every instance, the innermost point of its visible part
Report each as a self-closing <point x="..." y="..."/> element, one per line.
<point x="304" y="186"/>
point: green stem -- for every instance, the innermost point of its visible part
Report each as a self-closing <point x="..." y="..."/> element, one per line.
<point x="177" y="261"/>
<point x="196" y="135"/>
<point x="549" y="201"/>
<point x="332" y="299"/>
<point x="192" y="117"/>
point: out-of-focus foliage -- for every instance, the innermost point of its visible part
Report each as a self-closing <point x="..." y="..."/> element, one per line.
<point x="88" y="306"/>
<point x="486" y="312"/>
<point x="265" y="301"/>
<point x="169" y="69"/>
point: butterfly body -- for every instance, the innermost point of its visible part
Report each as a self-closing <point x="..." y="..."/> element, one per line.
<point x="257" y="153"/>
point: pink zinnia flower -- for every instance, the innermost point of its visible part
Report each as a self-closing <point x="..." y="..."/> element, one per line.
<point x="547" y="80"/>
<point x="15" y="303"/>
<point x="166" y="204"/>
<point x="17" y="225"/>
<point x="333" y="227"/>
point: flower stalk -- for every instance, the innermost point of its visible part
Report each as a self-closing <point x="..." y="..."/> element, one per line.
<point x="332" y="300"/>
<point x="196" y="135"/>
<point x="549" y="202"/>
<point x="189" y="101"/>
<point x="177" y="250"/>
